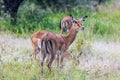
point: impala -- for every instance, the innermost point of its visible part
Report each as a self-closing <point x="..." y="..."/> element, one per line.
<point x="53" y="45"/>
<point x="36" y="38"/>
<point x="66" y="24"/>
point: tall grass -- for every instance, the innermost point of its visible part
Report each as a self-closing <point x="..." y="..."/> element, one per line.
<point x="107" y="21"/>
<point x="30" y="71"/>
<point x="15" y="71"/>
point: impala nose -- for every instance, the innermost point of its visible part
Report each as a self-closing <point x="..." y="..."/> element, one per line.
<point x="82" y="28"/>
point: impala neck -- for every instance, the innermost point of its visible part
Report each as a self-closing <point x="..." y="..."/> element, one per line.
<point x="70" y="37"/>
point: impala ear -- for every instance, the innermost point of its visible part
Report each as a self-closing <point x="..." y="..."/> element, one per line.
<point x="83" y="18"/>
<point x="71" y="16"/>
<point x="74" y="21"/>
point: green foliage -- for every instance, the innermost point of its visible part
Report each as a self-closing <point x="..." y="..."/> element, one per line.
<point x="31" y="17"/>
<point x="106" y="23"/>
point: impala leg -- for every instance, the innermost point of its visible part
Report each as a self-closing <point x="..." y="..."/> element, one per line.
<point x="61" y="60"/>
<point x="51" y="61"/>
<point x="36" y="47"/>
<point x="36" y="51"/>
<point x="57" y="58"/>
<point x="34" y="54"/>
<point x="42" y="58"/>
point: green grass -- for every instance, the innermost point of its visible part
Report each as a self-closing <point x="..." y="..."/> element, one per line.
<point x="31" y="71"/>
<point x="19" y="71"/>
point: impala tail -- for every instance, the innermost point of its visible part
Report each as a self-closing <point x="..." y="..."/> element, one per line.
<point x="47" y="52"/>
<point x="46" y="45"/>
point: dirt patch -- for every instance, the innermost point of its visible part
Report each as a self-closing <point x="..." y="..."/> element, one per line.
<point x="13" y="47"/>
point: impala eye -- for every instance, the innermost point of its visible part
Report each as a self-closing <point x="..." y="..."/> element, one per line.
<point x="75" y="21"/>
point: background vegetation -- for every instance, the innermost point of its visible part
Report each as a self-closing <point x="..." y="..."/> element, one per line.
<point x="33" y="16"/>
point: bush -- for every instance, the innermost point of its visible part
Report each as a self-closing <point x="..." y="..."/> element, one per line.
<point x="31" y="17"/>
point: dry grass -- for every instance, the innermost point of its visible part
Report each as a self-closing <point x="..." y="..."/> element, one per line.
<point x="99" y="61"/>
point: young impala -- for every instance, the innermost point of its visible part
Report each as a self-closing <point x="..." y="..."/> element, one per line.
<point x="66" y="24"/>
<point x="53" y="45"/>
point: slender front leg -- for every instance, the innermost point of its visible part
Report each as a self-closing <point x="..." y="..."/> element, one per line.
<point x="61" y="60"/>
<point x="57" y="58"/>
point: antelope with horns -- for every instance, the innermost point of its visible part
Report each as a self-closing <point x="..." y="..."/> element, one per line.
<point x="53" y="45"/>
